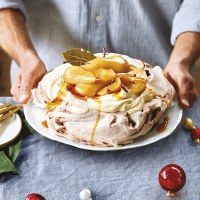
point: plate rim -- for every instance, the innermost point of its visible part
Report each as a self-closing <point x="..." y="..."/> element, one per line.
<point x="96" y="148"/>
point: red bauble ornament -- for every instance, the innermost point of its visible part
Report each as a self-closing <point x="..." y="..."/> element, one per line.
<point x="34" y="196"/>
<point x="172" y="178"/>
<point x="195" y="135"/>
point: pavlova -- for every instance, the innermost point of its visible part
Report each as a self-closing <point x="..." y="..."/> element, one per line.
<point x="103" y="100"/>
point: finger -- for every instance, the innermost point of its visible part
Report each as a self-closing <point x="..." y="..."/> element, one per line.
<point x="193" y="95"/>
<point x="192" y="98"/>
<point x="25" y="89"/>
<point x="15" y="99"/>
<point x="183" y="93"/>
<point x="15" y="89"/>
<point x="169" y="78"/>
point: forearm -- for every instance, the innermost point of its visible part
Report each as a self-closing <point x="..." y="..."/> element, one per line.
<point x="186" y="50"/>
<point x="15" y="41"/>
<point x="14" y="38"/>
<point x="177" y="71"/>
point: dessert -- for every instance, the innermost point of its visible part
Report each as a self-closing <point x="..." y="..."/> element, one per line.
<point x="106" y="101"/>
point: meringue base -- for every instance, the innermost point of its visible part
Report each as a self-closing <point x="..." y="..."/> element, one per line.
<point x="113" y="129"/>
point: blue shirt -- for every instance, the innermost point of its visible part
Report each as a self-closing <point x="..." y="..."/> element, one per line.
<point x="139" y="28"/>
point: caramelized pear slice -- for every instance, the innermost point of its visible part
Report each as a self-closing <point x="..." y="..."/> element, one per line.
<point x="115" y="86"/>
<point x="103" y="91"/>
<point x="89" y="90"/>
<point x="126" y="80"/>
<point x="139" y="85"/>
<point x="77" y="75"/>
<point x="140" y="72"/>
<point x="105" y="74"/>
<point x="116" y="63"/>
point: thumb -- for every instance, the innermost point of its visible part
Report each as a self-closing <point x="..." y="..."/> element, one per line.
<point x="183" y="95"/>
<point x="25" y="89"/>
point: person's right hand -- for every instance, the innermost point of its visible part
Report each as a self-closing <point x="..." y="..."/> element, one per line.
<point x="15" y="41"/>
<point x="28" y="76"/>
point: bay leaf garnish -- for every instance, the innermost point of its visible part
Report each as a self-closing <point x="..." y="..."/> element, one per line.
<point x="78" y="56"/>
<point x="5" y="164"/>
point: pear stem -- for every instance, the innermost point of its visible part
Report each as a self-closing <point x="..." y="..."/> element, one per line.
<point x="104" y="52"/>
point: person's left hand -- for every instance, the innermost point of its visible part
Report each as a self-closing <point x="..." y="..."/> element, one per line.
<point x="183" y="82"/>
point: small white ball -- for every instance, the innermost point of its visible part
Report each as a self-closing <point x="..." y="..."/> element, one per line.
<point x="85" y="194"/>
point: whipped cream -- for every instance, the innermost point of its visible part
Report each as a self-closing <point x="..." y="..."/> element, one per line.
<point x="122" y="101"/>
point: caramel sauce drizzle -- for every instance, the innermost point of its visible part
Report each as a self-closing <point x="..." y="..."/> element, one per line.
<point x="44" y="123"/>
<point x="96" y="123"/>
<point x="163" y="125"/>
<point x="51" y="106"/>
<point x="163" y="99"/>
